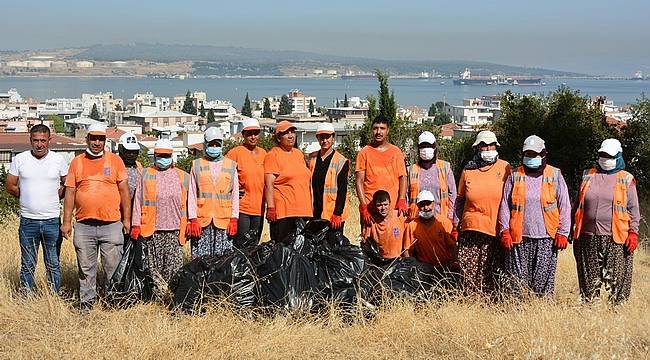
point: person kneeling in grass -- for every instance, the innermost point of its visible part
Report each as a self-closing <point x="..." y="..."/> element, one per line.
<point x="386" y="228"/>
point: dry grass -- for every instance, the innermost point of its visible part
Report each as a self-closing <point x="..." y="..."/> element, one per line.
<point x="49" y="327"/>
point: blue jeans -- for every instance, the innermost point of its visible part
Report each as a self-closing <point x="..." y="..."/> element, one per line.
<point x="33" y="232"/>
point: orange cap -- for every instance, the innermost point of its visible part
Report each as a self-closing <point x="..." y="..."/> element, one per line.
<point x="283" y="126"/>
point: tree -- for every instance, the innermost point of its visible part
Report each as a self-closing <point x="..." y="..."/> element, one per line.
<point x="372" y="107"/>
<point x="57" y="123"/>
<point x="311" y="106"/>
<point x="345" y="101"/>
<point x="440" y="106"/>
<point x="118" y="107"/>
<point x="432" y="110"/>
<point x="285" y="106"/>
<point x="266" y="111"/>
<point x="442" y="119"/>
<point x="210" y="116"/>
<point x="246" y="109"/>
<point x="184" y="161"/>
<point x="387" y="104"/>
<point x="636" y="148"/>
<point x="202" y="111"/>
<point x="94" y="114"/>
<point x="9" y="207"/>
<point x="188" y="105"/>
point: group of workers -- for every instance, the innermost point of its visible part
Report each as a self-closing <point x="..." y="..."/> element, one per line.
<point x="498" y="224"/>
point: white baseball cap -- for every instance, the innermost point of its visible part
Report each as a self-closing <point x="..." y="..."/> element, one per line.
<point x="426" y="137"/>
<point x="250" y="124"/>
<point x="325" y="128"/>
<point x="534" y="143"/>
<point x="97" y="129"/>
<point x="129" y="141"/>
<point x="611" y="147"/>
<point x="487" y="137"/>
<point x="163" y="146"/>
<point x="213" y="133"/>
<point x="425" y="195"/>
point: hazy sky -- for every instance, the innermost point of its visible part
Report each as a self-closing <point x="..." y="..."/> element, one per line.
<point x="592" y="36"/>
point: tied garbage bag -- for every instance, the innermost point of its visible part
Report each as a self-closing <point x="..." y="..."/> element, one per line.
<point x="407" y="276"/>
<point x="247" y="240"/>
<point x="131" y="280"/>
<point x="231" y="276"/>
<point x="371" y="249"/>
<point x="337" y="271"/>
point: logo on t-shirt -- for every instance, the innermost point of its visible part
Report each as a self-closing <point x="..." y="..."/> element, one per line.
<point x="395" y="232"/>
<point x="107" y="171"/>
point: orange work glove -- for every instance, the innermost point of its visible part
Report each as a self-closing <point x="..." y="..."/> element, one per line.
<point x="336" y="222"/>
<point x="365" y="214"/>
<point x="135" y="232"/>
<point x="232" y="227"/>
<point x="193" y="229"/>
<point x="401" y="207"/>
<point x="561" y="242"/>
<point x="506" y="239"/>
<point x="632" y="242"/>
<point x="271" y="215"/>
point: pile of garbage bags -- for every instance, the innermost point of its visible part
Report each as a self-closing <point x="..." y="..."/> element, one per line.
<point x="304" y="273"/>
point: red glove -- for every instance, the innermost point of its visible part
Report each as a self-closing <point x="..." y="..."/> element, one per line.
<point x="135" y="232"/>
<point x="561" y="242"/>
<point x="506" y="239"/>
<point x="632" y="242"/>
<point x="271" y="214"/>
<point x="336" y="222"/>
<point x="454" y="235"/>
<point x="365" y="214"/>
<point x="232" y="227"/>
<point x="193" y="229"/>
<point x="401" y="207"/>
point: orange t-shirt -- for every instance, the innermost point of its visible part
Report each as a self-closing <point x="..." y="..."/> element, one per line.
<point x="383" y="170"/>
<point x="389" y="235"/>
<point x="250" y="169"/>
<point x="97" y="195"/>
<point x="431" y="240"/>
<point x="292" y="186"/>
<point x="482" y="190"/>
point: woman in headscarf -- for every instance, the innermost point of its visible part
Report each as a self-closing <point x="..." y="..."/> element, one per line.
<point x="534" y="219"/>
<point x="606" y="226"/>
<point x="477" y="207"/>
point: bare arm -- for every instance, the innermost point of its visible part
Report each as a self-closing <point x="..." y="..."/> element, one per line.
<point x="361" y="177"/>
<point x="12" y="185"/>
<point x="125" y="204"/>
<point x="68" y="206"/>
<point x="403" y="186"/>
<point x="269" y="179"/>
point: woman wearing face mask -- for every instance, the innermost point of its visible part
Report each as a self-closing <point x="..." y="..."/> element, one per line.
<point x="534" y="219"/>
<point x="213" y="199"/>
<point x="287" y="184"/>
<point x="477" y="207"/>
<point x="606" y="226"/>
<point x="160" y="213"/>
<point x="435" y="176"/>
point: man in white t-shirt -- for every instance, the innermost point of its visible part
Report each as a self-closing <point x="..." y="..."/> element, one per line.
<point x="36" y="179"/>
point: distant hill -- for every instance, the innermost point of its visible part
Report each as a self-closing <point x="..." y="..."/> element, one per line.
<point x="269" y="62"/>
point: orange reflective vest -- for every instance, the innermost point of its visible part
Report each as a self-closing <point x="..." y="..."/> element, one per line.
<point x="620" y="215"/>
<point x="214" y="197"/>
<point x="414" y="187"/>
<point x="331" y="186"/>
<point x="548" y="197"/>
<point x="148" y="201"/>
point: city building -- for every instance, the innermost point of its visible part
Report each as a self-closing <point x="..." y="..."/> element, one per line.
<point x="11" y="96"/>
<point x="147" y="102"/>
<point x="163" y="119"/>
<point x="222" y="109"/>
<point x="300" y="103"/>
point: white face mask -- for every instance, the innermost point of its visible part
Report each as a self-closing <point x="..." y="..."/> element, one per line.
<point x="96" y="155"/>
<point x="607" y="164"/>
<point x="489" y="155"/>
<point x="425" y="214"/>
<point x="427" y="154"/>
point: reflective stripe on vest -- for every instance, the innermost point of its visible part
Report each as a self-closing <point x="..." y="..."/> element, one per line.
<point x="414" y="184"/>
<point x="214" y="196"/>
<point x="330" y="188"/>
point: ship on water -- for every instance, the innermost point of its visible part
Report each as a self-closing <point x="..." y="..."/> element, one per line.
<point x="349" y="75"/>
<point x="466" y="78"/>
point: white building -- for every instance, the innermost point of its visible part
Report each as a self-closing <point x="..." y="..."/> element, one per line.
<point x="470" y="115"/>
<point x="299" y="102"/>
<point x="103" y="100"/>
<point x="11" y="96"/>
<point x="147" y="102"/>
<point x="222" y="110"/>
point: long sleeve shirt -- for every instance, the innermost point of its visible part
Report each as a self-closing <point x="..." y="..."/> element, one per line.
<point x="215" y="168"/>
<point x="318" y="184"/>
<point x="168" y="201"/>
<point x="599" y="201"/>
<point x="534" y="226"/>
<point x="429" y="181"/>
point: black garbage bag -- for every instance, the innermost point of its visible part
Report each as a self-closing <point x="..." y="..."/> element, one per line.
<point x="231" y="276"/>
<point x="246" y="240"/>
<point x="337" y="271"/>
<point x="287" y="279"/>
<point x="131" y="280"/>
<point x="407" y="276"/>
<point x="371" y="249"/>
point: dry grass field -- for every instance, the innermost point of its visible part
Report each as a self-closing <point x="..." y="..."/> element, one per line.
<point x="459" y="328"/>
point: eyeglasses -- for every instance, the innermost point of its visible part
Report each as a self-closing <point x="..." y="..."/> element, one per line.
<point x="251" y="133"/>
<point x="322" y="137"/>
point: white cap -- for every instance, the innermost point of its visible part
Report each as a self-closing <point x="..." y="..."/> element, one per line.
<point x="97" y="129"/>
<point x="487" y="137"/>
<point x="611" y="147"/>
<point x="425" y="195"/>
<point x="212" y="133"/>
<point x="250" y="124"/>
<point x="426" y="137"/>
<point x="325" y="128"/>
<point x="163" y="146"/>
<point x="534" y="143"/>
<point x="129" y="141"/>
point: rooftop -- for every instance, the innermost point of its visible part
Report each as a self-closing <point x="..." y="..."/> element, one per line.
<point x="19" y="142"/>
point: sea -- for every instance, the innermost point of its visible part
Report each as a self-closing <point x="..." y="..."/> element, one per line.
<point x="408" y="92"/>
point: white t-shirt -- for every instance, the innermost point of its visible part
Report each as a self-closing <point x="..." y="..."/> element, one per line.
<point x="39" y="181"/>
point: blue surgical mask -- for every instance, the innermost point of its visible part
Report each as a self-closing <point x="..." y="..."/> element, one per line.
<point x="533" y="163"/>
<point x="163" y="163"/>
<point x="213" y="152"/>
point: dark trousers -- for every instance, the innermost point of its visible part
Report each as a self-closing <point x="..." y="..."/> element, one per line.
<point x="282" y="229"/>
<point x="247" y="223"/>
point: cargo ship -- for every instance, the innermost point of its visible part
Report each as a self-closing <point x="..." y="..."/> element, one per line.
<point x="358" y="76"/>
<point x="466" y="78"/>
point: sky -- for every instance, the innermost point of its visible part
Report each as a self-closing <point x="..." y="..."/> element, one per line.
<point x="596" y="37"/>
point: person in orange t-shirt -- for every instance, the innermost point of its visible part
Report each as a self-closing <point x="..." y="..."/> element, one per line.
<point x="97" y="188"/>
<point x="380" y="166"/>
<point x="386" y="228"/>
<point x="250" y="170"/>
<point x="287" y="184"/>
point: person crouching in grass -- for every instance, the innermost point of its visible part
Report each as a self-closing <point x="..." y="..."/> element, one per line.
<point x="386" y="228"/>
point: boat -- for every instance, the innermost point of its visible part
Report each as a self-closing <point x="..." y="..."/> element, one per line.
<point x="358" y="76"/>
<point x="466" y="78"/>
